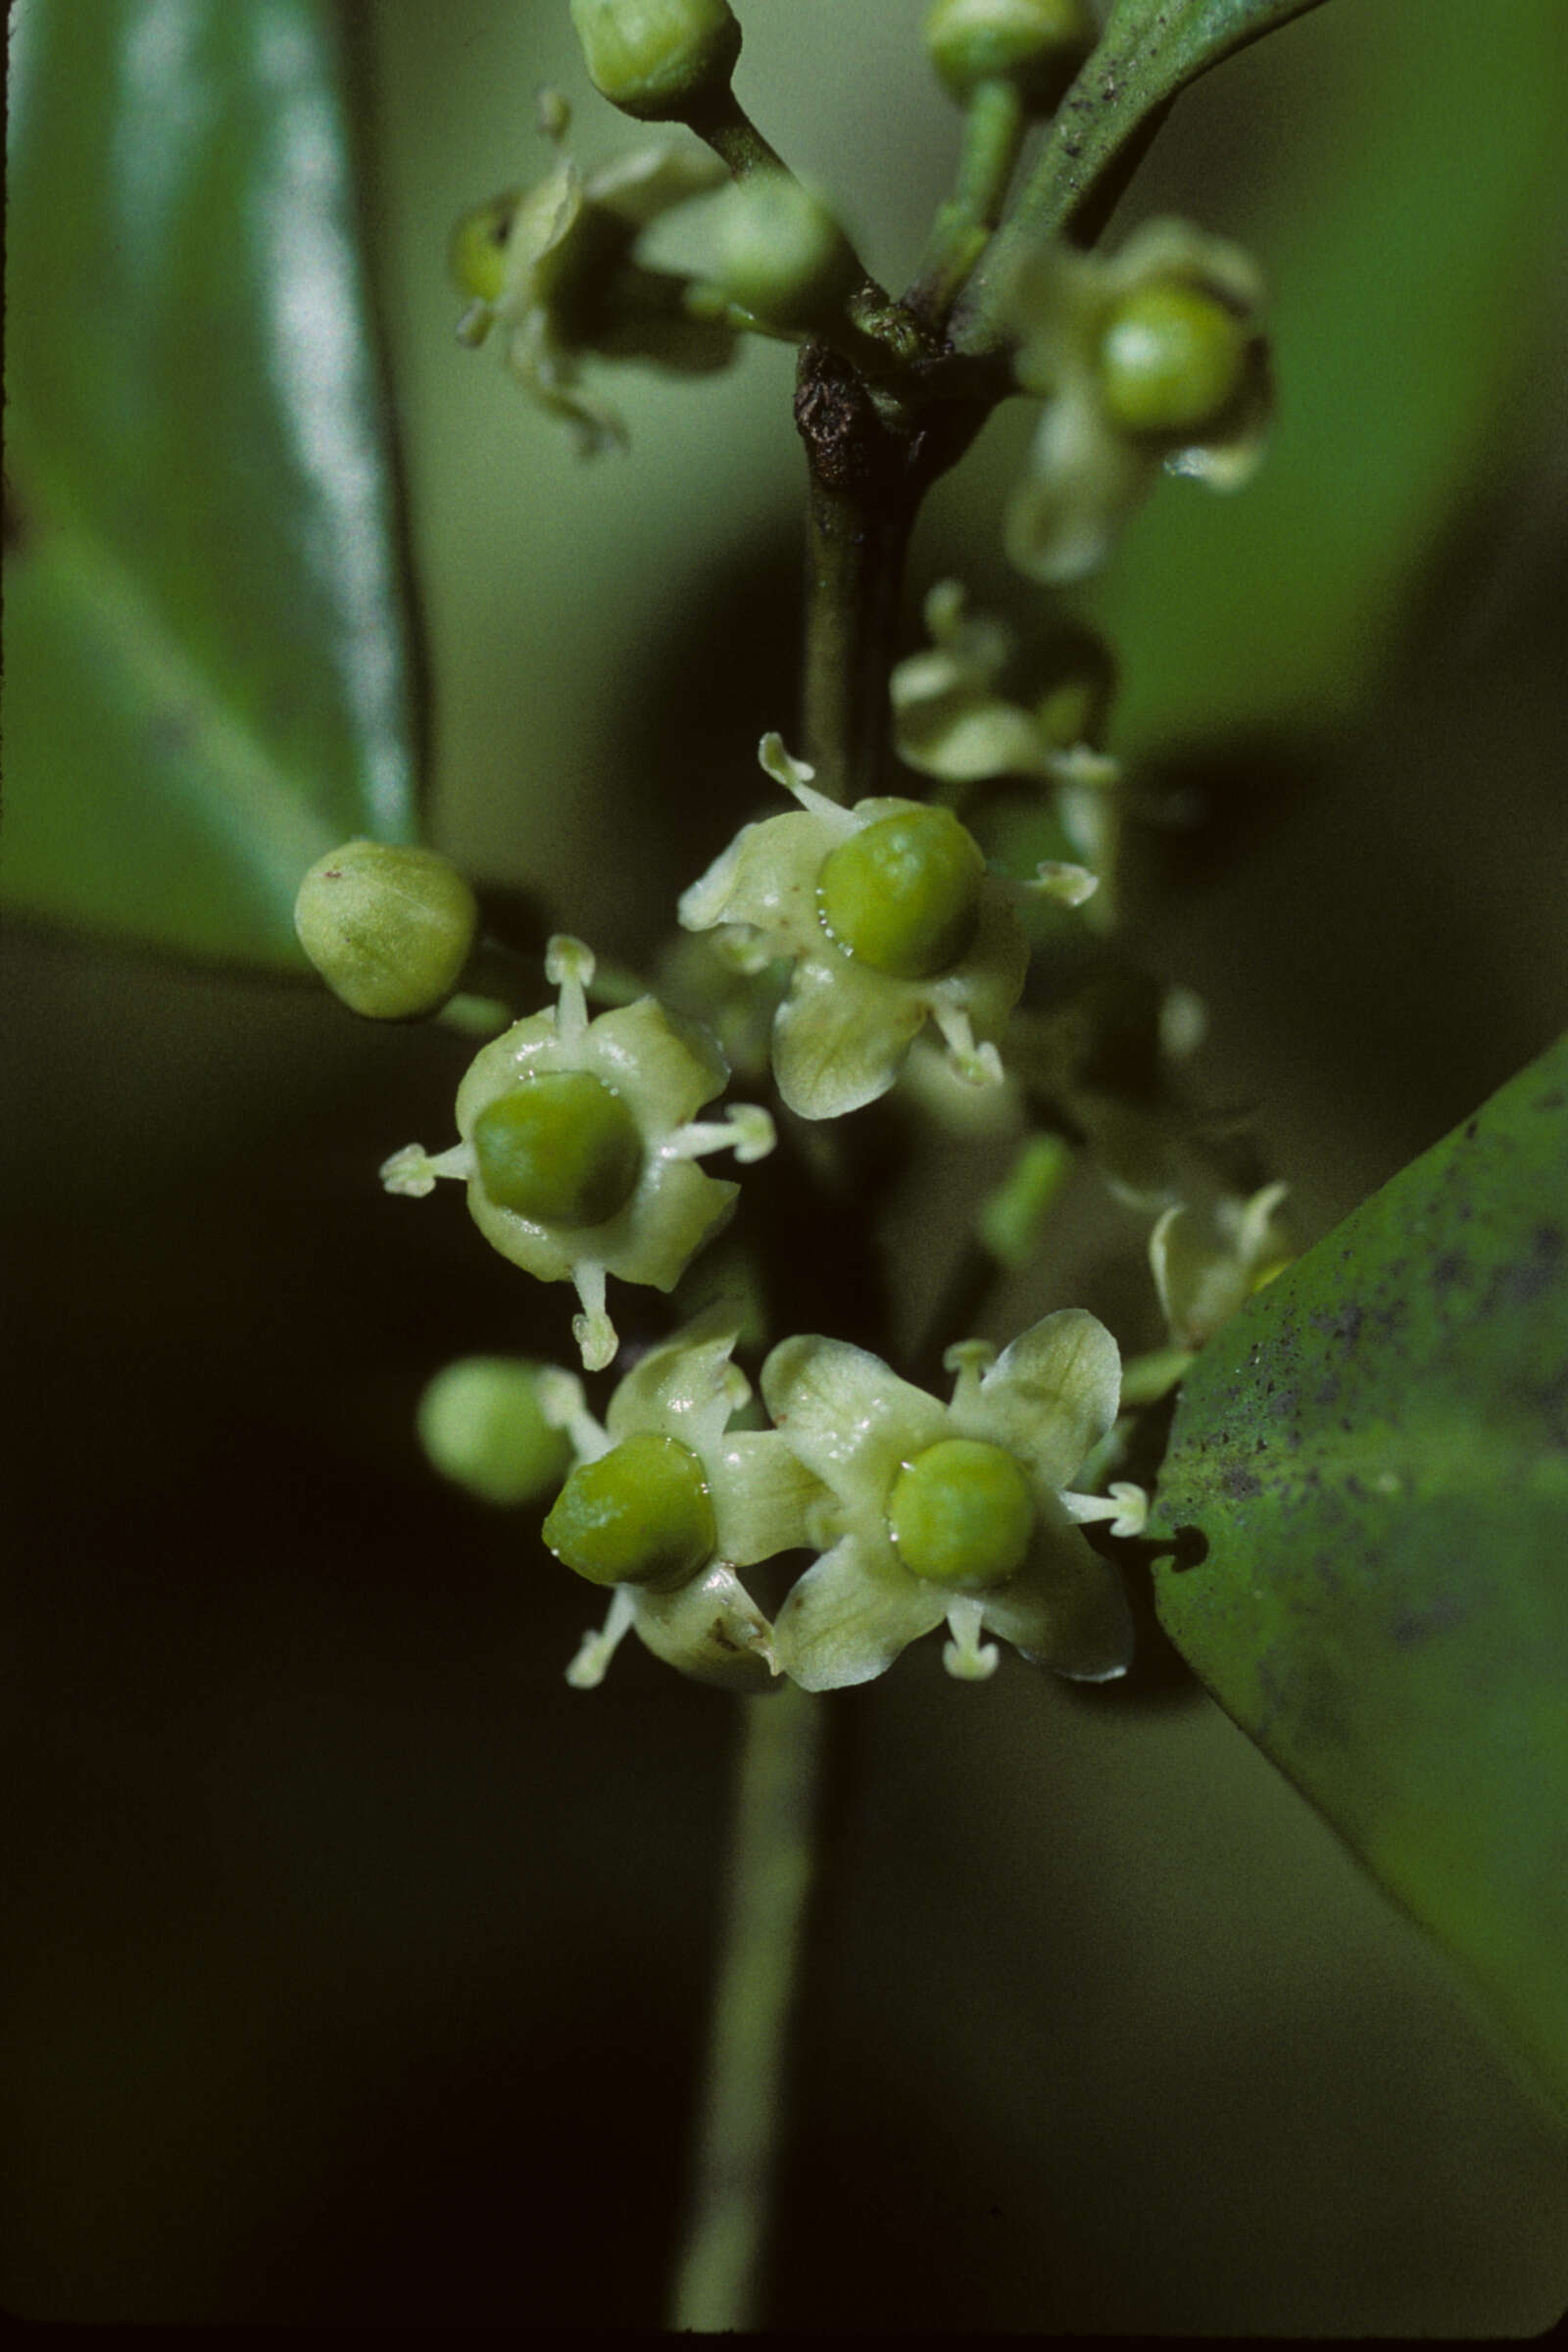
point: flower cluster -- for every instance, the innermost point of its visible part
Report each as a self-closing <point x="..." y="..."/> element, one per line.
<point x="921" y="1513"/>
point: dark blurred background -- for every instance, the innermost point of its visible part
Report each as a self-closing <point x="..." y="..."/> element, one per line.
<point x="353" y="1969"/>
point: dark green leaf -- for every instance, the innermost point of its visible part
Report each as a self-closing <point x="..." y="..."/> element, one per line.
<point x="1372" y="1460"/>
<point x="208" y="672"/>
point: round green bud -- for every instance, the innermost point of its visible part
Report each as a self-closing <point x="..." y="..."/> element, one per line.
<point x="782" y="254"/>
<point x="640" y="1515"/>
<point x="962" y="1513"/>
<point x="1171" y="359"/>
<point x="904" y="894"/>
<point x="388" y="929"/>
<point x="481" y="1424"/>
<point x="1038" y="45"/>
<point x="476" y="252"/>
<point x="660" y="60"/>
<point x="560" y="1149"/>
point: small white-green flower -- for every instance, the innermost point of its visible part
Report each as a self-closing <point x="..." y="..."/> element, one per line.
<point x="666" y="1502"/>
<point x="888" y="918"/>
<point x="1149" y="358"/>
<point x="950" y="721"/>
<point x="554" y="266"/>
<point x="959" y="1512"/>
<point x="578" y="1143"/>
<point x="1208" y="1262"/>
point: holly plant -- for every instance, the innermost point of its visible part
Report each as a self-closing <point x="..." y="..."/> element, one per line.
<point x="865" y="1268"/>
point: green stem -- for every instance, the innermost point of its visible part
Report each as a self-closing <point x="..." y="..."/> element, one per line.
<point x="856" y="548"/>
<point x="994" y="126"/>
<point x="769" y="1881"/>
<point x="735" y="138"/>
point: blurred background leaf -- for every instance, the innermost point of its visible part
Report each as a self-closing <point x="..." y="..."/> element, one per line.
<point x="208" y="675"/>
<point x="1374" y="1459"/>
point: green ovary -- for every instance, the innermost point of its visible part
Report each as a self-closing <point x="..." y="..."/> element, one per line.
<point x="903" y="895"/>
<point x="560" y="1149"/>
<point x="640" y="1515"/>
<point x="962" y="1513"/>
<point x="1171" y="359"/>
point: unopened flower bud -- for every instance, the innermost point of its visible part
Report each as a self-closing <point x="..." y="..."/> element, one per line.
<point x="1038" y="45"/>
<point x="482" y="1425"/>
<point x="783" y="255"/>
<point x="660" y="60"/>
<point x="388" y="929"/>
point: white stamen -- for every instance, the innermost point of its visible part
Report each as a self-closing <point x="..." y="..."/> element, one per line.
<point x="411" y="1173"/>
<point x="977" y="1065"/>
<point x="587" y="1669"/>
<point x="563" y="1406"/>
<point x="569" y="967"/>
<point x="967" y="1658"/>
<point x="747" y="1130"/>
<point x="592" y="1331"/>
<point x="1126" y="1508"/>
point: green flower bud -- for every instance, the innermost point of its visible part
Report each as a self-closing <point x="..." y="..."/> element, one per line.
<point x="560" y="1149"/>
<point x="388" y="929"/>
<point x="1038" y="45"/>
<point x="638" y="1515"/>
<point x="481" y="1424"/>
<point x="1172" y="359"/>
<point x="903" y="895"/>
<point x="783" y="255"/>
<point x="962" y="1513"/>
<point x="660" y="60"/>
<point x="476" y="255"/>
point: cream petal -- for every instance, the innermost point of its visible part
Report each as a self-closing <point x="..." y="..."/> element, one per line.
<point x="1167" y="248"/>
<point x="536" y="1249"/>
<point x="674" y="1211"/>
<point x="1065" y="1609"/>
<point x="761" y="1493"/>
<point x="710" y="1629"/>
<point x="665" y="1066"/>
<point x="965" y="736"/>
<point x="1053" y="1394"/>
<point x="846" y="1416"/>
<point x="766" y="877"/>
<point x="840" y="1035"/>
<point x="528" y="1045"/>
<point x="846" y="1620"/>
<point x="1081" y="483"/>
<point x="687" y="1389"/>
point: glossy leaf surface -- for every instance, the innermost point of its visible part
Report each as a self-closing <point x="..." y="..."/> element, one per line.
<point x="208" y="672"/>
<point x="1367" y="1487"/>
